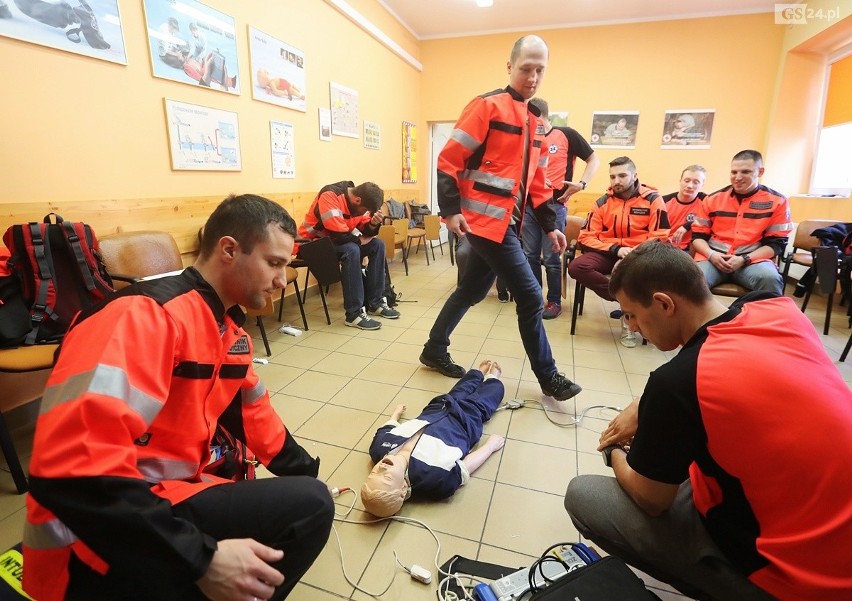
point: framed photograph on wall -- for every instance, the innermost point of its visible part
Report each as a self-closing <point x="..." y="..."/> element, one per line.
<point x="344" y="110"/>
<point x="409" y="153"/>
<point x="202" y="138"/>
<point x="278" y="71"/>
<point x="283" y="150"/>
<point x="614" y="129"/>
<point x="324" y="115"/>
<point x="372" y="135"/>
<point x="689" y="127"/>
<point x="91" y="28"/>
<point x="192" y="43"/>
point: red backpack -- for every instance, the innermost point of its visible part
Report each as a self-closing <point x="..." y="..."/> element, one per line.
<point x="54" y="271"/>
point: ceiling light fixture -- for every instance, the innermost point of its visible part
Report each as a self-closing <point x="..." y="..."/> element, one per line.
<point x="484" y="3"/>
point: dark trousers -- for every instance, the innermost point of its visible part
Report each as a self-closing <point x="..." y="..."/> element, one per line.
<point x="485" y="261"/>
<point x="355" y="289"/>
<point x="293" y="513"/>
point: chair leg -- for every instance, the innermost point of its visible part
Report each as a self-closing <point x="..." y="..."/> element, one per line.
<point x="828" y="313"/>
<point x="808" y="295"/>
<point x="575" y="306"/>
<point x="405" y="260"/>
<point x="301" y="305"/>
<point x="324" y="305"/>
<point x="281" y="301"/>
<point x="425" y="250"/>
<point x="12" y="460"/>
<point x="846" y="349"/>
<point x="262" y="329"/>
<point x="305" y="290"/>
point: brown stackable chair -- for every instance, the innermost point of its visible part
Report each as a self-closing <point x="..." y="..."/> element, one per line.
<point x="432" y="225"/>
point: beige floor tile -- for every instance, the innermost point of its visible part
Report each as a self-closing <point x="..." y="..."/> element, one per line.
<point x="403" y="352"/>
<point x="364" y="346"/>
<point x="364" y="395"/>
<point x="597" y="359"/>
<point x="389" y="370"/>
<point x="504" y="348"/>
<point x="462" y="515"/>
<point x="340" y="363"/>
<point x="602" y="379"/>
<point x="429" y="379"/>
<point x="294" y="411"/>
<point x="537" y="467"/>
<point x="303" y="357"/>
<point x="526" y="521"/>
<point x="328" y="341"/>
<point x="336" y="425"/>
<point x="509" y="559"/>
<point x="306" y="592"/>
<point x="532" y="426"/>
<point x="316" y="386"/>
<point x="358" y="542"/>
<point x="414" y="546"/>
<point x="12" y="529"/>
<point x="276" y="377"/>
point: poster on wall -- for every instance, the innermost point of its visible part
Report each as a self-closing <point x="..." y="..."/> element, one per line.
<point x="283" y="150"/>
<point x="344" y="110"/>
<point x="192" y="43"/>
<point x="689" y="127"/>
<point x="613" y="129"/>
<point x="278" y="71"/>
<point x="372" y="135"/>
<point x="91" y="28"/>
<point x="409" y="153"/>
<point x="202" y="138"/>
<point x="324" y="124"/>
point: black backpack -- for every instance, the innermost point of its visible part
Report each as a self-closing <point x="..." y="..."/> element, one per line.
<point x="54" y="271"/>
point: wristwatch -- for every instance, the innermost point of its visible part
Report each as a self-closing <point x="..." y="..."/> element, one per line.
<point x="746" y="260"/>
<point x="582" y="183"/>
<point x="606" y="453"/>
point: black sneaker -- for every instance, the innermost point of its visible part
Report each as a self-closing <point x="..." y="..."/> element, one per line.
<point x="502" y="295"/>
<point x="560" y="387"/>
<point x="443" y="364"/>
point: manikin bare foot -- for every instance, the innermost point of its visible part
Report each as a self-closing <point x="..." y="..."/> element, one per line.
<point x="494" y="442"/>
<point x="397" y="412"/>
<point x="490" y="367"/>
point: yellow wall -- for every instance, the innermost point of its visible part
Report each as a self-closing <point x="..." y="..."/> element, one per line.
<point x="649" y="67"/>
<point x="838" y="103"/>
<point x="76" y="128"/>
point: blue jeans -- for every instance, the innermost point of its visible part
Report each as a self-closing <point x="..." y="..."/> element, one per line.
<point x="352" y="279"/>
<point x="537" y="246"/>
<point x="757" y="276"/>
<point x="485" y="262"/>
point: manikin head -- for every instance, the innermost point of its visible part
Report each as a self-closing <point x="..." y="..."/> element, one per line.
<point x="387" y="486"/>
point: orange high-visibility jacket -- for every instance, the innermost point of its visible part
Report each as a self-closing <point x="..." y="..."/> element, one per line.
<point x="330" y="215"/>
<point x="481" y="167"/>
<point x="125" y="428"/>
<point x="736" y="227"/>
<point x="615" y="222"/>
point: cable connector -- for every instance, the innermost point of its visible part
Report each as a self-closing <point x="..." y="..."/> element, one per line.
<point x="516" y="404"/>
<point x="336" y="492"/>
<point x="420" y="574"/>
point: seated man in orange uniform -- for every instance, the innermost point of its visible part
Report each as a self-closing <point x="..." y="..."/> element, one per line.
<point x="627" y="215"/>
<point x="337" y="212"/>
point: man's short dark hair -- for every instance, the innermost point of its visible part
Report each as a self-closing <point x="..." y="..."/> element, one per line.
<point x="245" y="218"/>
<point x="541" y="105"/>
<point x="371" y="196"/>
<point x="619" y="161"/>
<point x="657" y="266"/>
<point x="749" y="155"/>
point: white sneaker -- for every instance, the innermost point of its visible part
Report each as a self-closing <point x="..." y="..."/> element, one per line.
<point x="363" y="322"/>
<point x="628" y="337"/>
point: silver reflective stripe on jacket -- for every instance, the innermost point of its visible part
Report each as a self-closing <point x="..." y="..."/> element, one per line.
<point x="48" y="535"/>
<point x="483" y="208"/>
<point x="465" y="139"/>
<point x="106" y="380"/>
<point x="157" y="469"/>
<point x="489" y="179"/>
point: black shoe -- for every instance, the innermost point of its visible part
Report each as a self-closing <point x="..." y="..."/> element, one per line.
<point x="502" y="295"/>
<point x="616" y="314"/>
<point x="800" y="291"/>
<point x="443" y="364"/>
<point x="560" y="387"/>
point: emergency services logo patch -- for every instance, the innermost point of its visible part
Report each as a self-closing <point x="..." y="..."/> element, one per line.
<point x="760" y="206"/>
<point x="552" y="148"/>
<point x="640" y="211"/>
<point x="539" y="130"/>
<point x="241" y="346"/>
